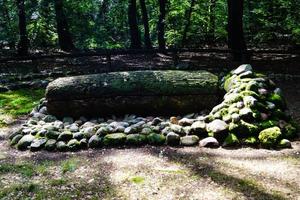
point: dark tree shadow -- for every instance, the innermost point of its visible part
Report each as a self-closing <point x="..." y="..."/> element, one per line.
<point x="248" y="188"/>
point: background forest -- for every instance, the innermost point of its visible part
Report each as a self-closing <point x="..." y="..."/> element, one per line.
<point x="90" y="24"/>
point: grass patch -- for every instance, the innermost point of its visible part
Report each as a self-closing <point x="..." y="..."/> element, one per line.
<point x="57" y="182"/>
<point x="69" y="165"/>
<point x="137" y="179"/>
<point x="16" y="189"/>
<point x="25" y="169"/>
<point x="19" y="102"/>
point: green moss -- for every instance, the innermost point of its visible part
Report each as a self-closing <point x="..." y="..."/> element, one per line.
<point x="137" y="179"/>
<point x="250" y="93"/>
<point x="114" y="139"/>
<point x="156" y="139"/>
<point x="269" y="137"/>
<point x="233" y="98"/>
<point x="243" y="129"/>
<point x="268" y="124"/>
<point x="231" y="140"/>
<point x="19" y="102"/>
<point x="277" y="100"/>
<point x="136" y="139"/>
<point x="289" y="131"/>
<point x="250" y="141"/>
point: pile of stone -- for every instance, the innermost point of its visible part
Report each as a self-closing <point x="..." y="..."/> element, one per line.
<point x="253" y="113"/>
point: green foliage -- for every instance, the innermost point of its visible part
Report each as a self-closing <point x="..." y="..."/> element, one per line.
<point x="19" y="102"/>
<point x="69" y="165"/>
<point x="92" y="26"/>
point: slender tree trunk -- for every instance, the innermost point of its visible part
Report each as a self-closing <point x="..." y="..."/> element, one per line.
<point x="147" y="39"/>
<point x="23" y="44"/>
<point x="188" y="16"/>
<point x="212" y="21"/>
<point x="64" y="35"/>
<point x="103" y="10"/>
<point x="161" y="24"/>
<point x="135" y="36"/>
<point x="236" y="40"/>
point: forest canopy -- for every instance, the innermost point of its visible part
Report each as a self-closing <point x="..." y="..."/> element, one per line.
<point x="91" y="24"/>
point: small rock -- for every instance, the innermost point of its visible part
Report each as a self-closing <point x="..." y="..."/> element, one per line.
<point x="185" y="122"/>
<point x="65" y="136"/>
<point x="50" y="145"/>
<point x="242" y="68"/>
<point x="49" y="118"/>
<point x="173" y="139"/>
<point x="78" y="135"/>
<point x="38" y="144"/>
<point x="61" y="146"/>
<point x="198" y="127"/>
<point x="102" y="131"/>
<point x="58" y="125"/>
<point x="177" y="129"/>
<point x="136" y="139"/>
<point x="210" y="142"/>
<point x="156" y="139"/>
<point x="156" y="121"/>
<point x="43" y="110"/>
<point x="217" y="126"/>
<point x="73" y="145"/>
<point x="83" y="143"/>
<point x="189" y="140"/>
<point x="146" y="131"/>
<point x="52" y="134"/>
<point x="114" y="139"/>
<point x="173" y="120"/>
<point x="25" y="142"/>
<point x="94" y="142"/>
<point x="74" y="128"/>
<point x="16" y="139"/>
<point x="68" y="120"/>
<point x="284" y="143"/>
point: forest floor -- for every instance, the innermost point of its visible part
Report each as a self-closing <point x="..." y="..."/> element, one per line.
<point x="151" y="172"/>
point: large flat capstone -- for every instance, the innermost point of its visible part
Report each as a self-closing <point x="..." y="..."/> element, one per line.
<point x="138" y="92"/>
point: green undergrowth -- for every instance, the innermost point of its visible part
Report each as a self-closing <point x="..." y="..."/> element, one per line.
<point x="16" y="103"/>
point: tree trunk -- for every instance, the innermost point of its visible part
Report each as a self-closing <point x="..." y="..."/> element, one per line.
<point x="147" y="39"/>
<point x="64" y="35"/>
<point x="161" y="24"/>
<point x="212" y="21"/>
<point x="188" y="16"/>
<point x="236" y="40"/>
<point x="135" y="36"/>
<point x="23" y="44"/>
<point x="103" y="10"/>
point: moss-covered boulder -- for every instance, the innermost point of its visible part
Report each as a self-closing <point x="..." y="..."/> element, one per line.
<point x="37" y="144"/>
<point x="270" y="136"/>
<point x="50" y="145"/>
<point x="61" y="146"/>
<point x="138" y="92"/>
<point x="25" y="142"/>
<point x="95" y="142"/>
<point x="73" y="145"/>
<point x="156" y="139"/>
<point x="15" y="139"/>
<point x="136" y="139"/>
<point x="189" y="140"/>
<point x="231" y="140"/>
<point x="115" y="139"/>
